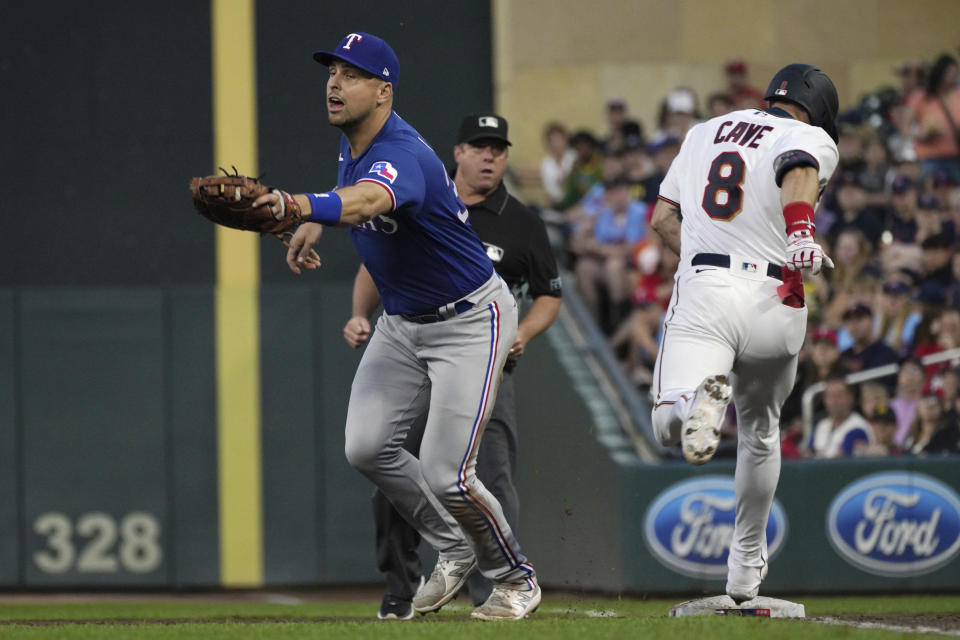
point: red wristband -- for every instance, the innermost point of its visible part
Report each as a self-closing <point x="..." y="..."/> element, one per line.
<point x="799" y="215"/>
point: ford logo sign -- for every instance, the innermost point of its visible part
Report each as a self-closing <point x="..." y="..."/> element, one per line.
<point x="895" y="524"/>
<point x="689" y="526"/>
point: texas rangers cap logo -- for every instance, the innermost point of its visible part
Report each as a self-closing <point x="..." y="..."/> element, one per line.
<point x="384" y="169"/>
<point x="349" y="40"/>
<point x="782" y="91"/>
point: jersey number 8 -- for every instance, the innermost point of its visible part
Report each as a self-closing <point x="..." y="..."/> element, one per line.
<point x="723" y="197"/>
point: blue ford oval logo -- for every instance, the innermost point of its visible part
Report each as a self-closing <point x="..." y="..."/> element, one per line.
<point x="689" y="526"/>
<point x="896" y="524"/>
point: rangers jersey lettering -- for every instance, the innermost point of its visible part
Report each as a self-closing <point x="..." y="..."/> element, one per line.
<point x="423" y="254"/>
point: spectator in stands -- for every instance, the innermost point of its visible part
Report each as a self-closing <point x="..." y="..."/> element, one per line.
<point x="934" y="120"/>
<point x="852" y="254"/>
<point x="952" y="292"/>
<point x="557" y="164"/>
<point x="946" y="439"/>
<point x="937" y="255"/>
<point x="601" y="267"/>
<point x="877" y="173"/>
<point x="642" y="173"/>
<point x="953" y="208"/>
<point x="898" y="318"/>
<point x="910" y="75"/>
<point x="678" y="112"/>
<point x="928" y="217"/>
<point x="740" y="93"/>
<point x="945" y="336"/>
<point x="927" y="421"/>
<point x="582" y="216"/>
<point x="820" y="362"/>
<point x="948" y="388"/>
<point x="851" y="281"/>
<point x="587" y="169"/>
<point x="866" y="352"/>
<point x="943" y="188"/>
<point x="853" y="211"/>
<point x="719" y="104"/>
<point x="622" y="130"/>
<point x="843" y="431"/>
<point x="903" y="201"/>
<point x="910" y="382"/>
<point x="662" y="151"/>
<point x="637" y="339"/>
<point x="850" y="145"/>
<point x="874" y="397"/>
<point x="883" y="424"/>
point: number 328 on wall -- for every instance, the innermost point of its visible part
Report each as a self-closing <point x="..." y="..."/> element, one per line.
<point x="138" y="550"/>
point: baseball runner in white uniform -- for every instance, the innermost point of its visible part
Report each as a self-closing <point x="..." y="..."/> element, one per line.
<point x="737" y="205"/>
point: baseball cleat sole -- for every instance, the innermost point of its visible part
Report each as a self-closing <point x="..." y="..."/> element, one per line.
<point x="700" y="434"/>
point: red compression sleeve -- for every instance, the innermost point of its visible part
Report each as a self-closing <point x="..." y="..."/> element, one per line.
<point x="798" y="215"/>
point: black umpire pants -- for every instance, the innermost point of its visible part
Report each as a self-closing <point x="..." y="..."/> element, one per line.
<point x="398" y="542"/>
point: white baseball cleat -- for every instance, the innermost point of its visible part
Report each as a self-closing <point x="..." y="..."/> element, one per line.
<point x="701" y="430"/>
<point x="743" y="583"/>
<point x="444" y="583"/>
<point x="510" y="601"/>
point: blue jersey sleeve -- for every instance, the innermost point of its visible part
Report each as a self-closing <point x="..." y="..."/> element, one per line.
<point x="400" y="174"/>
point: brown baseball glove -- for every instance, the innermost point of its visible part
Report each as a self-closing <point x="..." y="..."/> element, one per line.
<point x="228" y="200"/>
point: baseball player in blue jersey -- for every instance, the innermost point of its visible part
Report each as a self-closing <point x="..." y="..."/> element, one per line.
<point x="441" y="344"/>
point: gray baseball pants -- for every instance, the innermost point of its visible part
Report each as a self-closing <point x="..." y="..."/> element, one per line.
<point x="451" y="371"/>
<point x="397" y="542"/>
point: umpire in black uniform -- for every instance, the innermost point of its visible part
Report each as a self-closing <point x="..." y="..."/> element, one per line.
<point x="516" y="242"/>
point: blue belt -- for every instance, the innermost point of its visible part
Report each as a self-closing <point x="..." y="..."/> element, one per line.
<point x="445" y="312"/>
<point x="720" y="260"/>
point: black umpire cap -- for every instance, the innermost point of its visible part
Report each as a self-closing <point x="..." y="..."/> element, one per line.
<point x="480" y="126"/>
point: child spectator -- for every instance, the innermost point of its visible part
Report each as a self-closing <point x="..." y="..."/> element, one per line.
<point x="883" y="423"/>
<point x="843" y="431"/>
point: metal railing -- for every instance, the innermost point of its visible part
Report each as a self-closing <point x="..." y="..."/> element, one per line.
<point x="811" y="392"/>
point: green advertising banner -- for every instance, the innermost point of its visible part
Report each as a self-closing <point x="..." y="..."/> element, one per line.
<point x="884" y="525"/>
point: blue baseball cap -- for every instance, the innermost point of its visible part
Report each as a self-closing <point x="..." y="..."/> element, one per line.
<point x="365" y="51"/>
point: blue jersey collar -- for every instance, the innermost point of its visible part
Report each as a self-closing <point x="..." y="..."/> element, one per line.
<point x="388" y="126"/>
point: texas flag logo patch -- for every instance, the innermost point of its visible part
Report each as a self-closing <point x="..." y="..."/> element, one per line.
<point x="385" y="170"/>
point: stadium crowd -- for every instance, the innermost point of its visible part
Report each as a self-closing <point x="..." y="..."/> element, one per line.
<point x="889" y="218"/>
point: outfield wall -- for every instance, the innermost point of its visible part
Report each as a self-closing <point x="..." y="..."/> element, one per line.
<point x="108" y="467"/>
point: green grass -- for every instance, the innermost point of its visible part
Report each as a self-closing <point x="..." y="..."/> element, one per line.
<point x="558" y="617"/>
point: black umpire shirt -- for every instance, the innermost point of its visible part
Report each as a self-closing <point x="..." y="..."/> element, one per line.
<point x="516" y="241"/>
